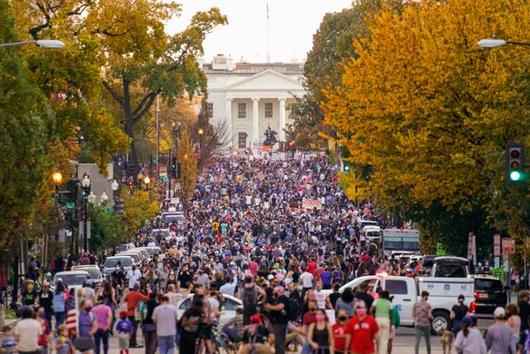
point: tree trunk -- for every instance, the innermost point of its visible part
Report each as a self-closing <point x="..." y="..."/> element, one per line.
<point x="132" y="161"/>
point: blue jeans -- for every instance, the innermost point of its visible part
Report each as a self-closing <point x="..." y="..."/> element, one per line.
<point x="102" y="336"/>
<point x="59" y="319"/>
<point x="166" y="344"/>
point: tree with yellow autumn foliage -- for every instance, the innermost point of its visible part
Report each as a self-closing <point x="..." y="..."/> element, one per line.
<point x="430" y="112"/>
<point x="188" y="166"/>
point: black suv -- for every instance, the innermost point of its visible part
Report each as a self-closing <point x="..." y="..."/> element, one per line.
<point x="489" y="294"/>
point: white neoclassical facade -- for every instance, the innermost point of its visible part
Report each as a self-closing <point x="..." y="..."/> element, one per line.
<point x="248" y="98"/>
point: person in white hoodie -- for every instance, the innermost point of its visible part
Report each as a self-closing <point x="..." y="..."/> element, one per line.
<point x="469" y="340"/>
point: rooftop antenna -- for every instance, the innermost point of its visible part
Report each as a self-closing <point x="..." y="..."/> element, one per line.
<point x="268" y="34"/>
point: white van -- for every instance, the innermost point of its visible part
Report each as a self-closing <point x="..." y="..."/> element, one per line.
<point x="443" y="293"/>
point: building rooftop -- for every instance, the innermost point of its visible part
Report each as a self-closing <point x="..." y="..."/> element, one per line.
<point x="223" y="64"/>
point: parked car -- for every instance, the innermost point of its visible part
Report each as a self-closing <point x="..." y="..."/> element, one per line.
<point x="228" y="310"/>
<point x="176" y="217"/>
<point x="94" y="273"/>
<point x="164" y="235"/>
<point x="489" y="294"/>
<point x="110" y="264"/>
<point x="74" y="279"/>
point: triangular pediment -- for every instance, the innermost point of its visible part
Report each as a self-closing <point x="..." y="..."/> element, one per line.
<point x="267" y="80"/>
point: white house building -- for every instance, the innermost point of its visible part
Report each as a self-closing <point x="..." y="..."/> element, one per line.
<point x="250" y="97"/>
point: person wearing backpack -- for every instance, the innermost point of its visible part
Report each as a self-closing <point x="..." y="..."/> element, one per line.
<point x="250" y="294"/>
<point x="279" y="310"/>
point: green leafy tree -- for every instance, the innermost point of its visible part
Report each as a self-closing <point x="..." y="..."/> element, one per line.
<point x="150" y="61"/>
<point x="25" y="127"/>
<point x="332" y="47"/>
<point x="138" y="207"/>
<point x="107" y="228"/>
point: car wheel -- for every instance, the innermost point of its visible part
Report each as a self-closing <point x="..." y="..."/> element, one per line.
<point x="440" y="322"/>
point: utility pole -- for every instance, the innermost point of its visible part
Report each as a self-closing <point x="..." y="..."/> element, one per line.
<point x="158" y="135"/>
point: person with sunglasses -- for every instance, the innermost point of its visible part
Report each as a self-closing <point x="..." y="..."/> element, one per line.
<point x="339" y="332"/>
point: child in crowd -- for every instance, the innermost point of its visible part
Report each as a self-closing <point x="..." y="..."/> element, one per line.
<point x="8" y="342"/>
<point x="123" y="327"/>
<point x="63" y="344"/>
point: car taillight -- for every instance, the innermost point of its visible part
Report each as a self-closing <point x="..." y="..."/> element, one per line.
<point x="472" y="307"/>
<point x="479" y="295"/>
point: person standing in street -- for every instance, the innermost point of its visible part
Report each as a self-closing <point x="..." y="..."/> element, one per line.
<point x="422" y="314"/>
<point x="279" y="320"/>
<point x="469" y="340"/>
<point x="383" y="316"/>
<point x="458" y="312"/>
<point x="148" y="326"/>
<point x="499" y="336"/>
<point x="165" y="318"/>
<point x="27" y="332"/>
<point x="133" y="277"/>
<point x="361" y="331"/>
<point x="103" y="314"/>
<point x="46" y="302"/>
<point x="132" y="299"/>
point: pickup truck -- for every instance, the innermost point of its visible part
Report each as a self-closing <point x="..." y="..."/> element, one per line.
<point x="406" y="292"/>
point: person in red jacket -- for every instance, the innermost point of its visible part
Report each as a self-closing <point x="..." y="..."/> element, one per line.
<point x="361" y="331"/>
<point x="132" y="299"/>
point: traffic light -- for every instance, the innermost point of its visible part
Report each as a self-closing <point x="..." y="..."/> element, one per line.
<point x="173" y="167"/>
<point x="514" y="169"/>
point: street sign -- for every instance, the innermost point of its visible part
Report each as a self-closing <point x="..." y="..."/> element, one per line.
<point x="69" y="205"/>
<point x="471" y="247"/>
<point x="508" y="246"/>
<point x="496" y="245"/>
<point x="440" y="250"/>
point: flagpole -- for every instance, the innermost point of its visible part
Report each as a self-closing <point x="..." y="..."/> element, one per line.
<point x="268" y="35"/>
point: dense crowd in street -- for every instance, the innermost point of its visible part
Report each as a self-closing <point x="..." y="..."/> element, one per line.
<point x="248" y="235"/>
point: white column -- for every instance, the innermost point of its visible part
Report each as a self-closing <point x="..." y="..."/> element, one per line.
<point x="229" y="137"/>
<point x="255" y="120"/>
<point x="282" y="119"/>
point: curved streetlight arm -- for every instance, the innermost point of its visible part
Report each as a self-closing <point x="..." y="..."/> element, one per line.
<point x="45" y="43"/>
<point x="518" y="43"/>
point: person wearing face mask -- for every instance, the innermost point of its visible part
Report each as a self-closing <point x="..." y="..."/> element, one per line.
<point x="320" y="334"/>
<point x="361" y="331"/>
<point x="339" y="332"/>
<point x="87" y="327"/>
<point x="458" y="312"/>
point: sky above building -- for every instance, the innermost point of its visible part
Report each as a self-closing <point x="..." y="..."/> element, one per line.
<point x="292" y="24"/>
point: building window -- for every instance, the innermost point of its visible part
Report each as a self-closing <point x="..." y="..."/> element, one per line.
<point x="242" y="110"/>
<point x="209" y="110"/>
<point x="242" y="140"/>
<point x="268" y="109"/>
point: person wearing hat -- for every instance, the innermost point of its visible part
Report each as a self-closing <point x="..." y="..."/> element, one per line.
<point x="46" y="302"/>
<point x="469" y="340"/>
<point x="255" y="337"/>
<point x="499" y="336"/>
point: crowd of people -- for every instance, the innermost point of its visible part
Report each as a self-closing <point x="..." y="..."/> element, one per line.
<point x="274" y="233"/>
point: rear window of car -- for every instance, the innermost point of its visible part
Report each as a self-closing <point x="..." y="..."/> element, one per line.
<point x="111" y="262"/>
<point x="488" y="284"/>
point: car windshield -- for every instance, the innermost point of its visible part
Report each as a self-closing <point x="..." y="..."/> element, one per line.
<point x="450" y="270"/>
<point x="71" y="278"/>
<point x="111" y="262"/>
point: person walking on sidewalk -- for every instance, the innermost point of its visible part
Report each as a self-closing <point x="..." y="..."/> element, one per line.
<point x="422" y="314"/>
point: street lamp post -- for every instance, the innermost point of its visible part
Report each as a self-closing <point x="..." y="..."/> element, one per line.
<point x="85" y="184"/>
<point x="44" y="43"/>
<point x="494" y="42"/>
<point x="146" y="181"/>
